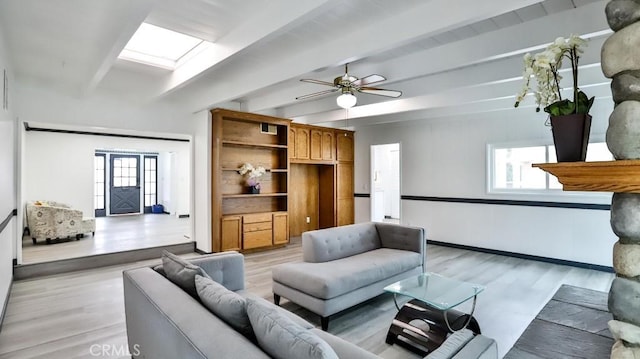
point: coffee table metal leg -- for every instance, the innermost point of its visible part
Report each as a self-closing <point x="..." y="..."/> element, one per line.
<point x="466" y="324"/>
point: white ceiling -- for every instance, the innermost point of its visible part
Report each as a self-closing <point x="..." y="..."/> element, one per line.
<point x="447" y="56"/>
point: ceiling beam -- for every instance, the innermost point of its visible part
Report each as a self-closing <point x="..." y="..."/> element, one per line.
<point x="454" y="98"/>
<point x="124" y="22"/>
<point x="273" y="18"/>
<point x="495" y="51"/>
<point x="431" y="18"/>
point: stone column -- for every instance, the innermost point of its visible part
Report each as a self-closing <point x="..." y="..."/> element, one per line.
<point x="621" y="63"/>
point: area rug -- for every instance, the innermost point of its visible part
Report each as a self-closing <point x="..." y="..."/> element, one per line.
<point x="573" y="324"/>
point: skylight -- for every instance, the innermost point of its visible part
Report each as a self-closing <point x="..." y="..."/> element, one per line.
<point x="156" y="46"/>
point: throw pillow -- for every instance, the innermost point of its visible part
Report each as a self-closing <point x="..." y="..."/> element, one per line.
<point x="281" y="338"/>
<point x="181" y="272"/>
<point x="225" y="304"/>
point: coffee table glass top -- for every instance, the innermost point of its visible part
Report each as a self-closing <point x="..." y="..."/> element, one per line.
<point x="435" y="290"/>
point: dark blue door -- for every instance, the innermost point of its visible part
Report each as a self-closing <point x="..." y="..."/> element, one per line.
<point x="125" y="184"/>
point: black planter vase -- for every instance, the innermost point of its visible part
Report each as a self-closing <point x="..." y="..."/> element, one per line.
<point x="254" y="190"/>
<point x="571" y="136"/>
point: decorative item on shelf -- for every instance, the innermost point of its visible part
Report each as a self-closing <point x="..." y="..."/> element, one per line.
<point x="253" y="173"/>
<point x="570" y="120"/>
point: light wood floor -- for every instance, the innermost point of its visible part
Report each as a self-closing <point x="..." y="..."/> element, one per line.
<point x="61" y="316"/>
<point x="113" y="234"/>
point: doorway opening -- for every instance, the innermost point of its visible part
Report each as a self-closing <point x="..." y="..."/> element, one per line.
<point x="385" y="183"/>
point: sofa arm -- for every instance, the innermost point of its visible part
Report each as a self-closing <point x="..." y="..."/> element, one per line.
<point x="226" y="268"/>
<point x="464" y="344"/>
<point x="403" y="237"/>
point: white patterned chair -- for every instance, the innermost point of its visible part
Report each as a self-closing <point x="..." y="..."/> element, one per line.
<point x="49" y="220"/>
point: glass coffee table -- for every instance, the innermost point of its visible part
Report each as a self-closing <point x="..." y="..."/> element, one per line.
<point x="424" y="322"/>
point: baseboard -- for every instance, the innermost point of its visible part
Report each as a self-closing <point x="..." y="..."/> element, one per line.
<point x="525" y="256"/>
<point x="6" y="304"/>
<point x="201" y="252"/>
<point x="25" y="271"/>
<point x="183" y="216"/>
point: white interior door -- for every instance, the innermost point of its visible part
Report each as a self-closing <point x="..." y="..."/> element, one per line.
<point x="385" y="183"/>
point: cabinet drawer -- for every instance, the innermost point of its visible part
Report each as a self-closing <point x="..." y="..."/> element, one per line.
<point x="258" y="226"/>
<point x="257" y="239"/>
<point x="257" y="217"/>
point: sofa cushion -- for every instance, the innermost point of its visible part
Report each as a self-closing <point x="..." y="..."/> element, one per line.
<point x="294" y="317"/>
<point x="331" y="279"/>
<point x="225" y="304"/>
<point x="326" y="245"/>
<point x="282" y="338"/>
<point x="181" y="272"/>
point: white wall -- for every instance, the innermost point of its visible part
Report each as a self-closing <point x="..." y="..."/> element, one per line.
<point x="59" y="167"/>
<point x="447" y="158"/>
<point x="104" y="110"/>
<point x="202" y="180"/>
<point x="7" y="177"/>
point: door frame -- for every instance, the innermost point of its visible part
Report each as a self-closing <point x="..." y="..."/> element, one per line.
<point x="372" y="174"/>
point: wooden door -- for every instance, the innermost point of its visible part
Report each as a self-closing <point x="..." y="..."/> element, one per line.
<point x="280" y="228"/>
<point x="345" y="200"/>
<point x="316" y="145"/>
<point x="328" y="146"/>
<point x="292" y="143"/>
<point x="302" y="143"/>
<point x="345" y="145"/>
<point x="231" y="233"/>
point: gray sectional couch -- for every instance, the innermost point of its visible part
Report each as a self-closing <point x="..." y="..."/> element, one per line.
<point x="164" y="321"/>
<point x="344" y="266"/>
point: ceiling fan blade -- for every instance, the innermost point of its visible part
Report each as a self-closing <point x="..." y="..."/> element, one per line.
<point x="368" y="80"/>
<point x="312" y="81"/>
<point x="325" y="92"/>
<point x="380" y="92"/>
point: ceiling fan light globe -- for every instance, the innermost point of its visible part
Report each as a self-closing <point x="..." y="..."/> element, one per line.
<point x="346" y="100"/>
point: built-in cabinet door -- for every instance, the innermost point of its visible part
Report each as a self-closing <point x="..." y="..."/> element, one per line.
<point x="280" y="228"/>
<point x="292" y="143"/>
<point x="316" y="145"/>
<point x="328" y="146"/>
<point x="345" y="200"/>
<point x="231" y="233"/>
<point x="345" y="145"/>
<point x="302" y="143"/>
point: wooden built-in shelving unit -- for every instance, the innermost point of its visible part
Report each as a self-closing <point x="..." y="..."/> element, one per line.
<point x="601" y="176"/>
<point x="308" y="182"/>
<point x="240" y="220"/>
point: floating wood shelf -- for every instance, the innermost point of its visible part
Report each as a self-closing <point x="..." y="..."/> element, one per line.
<point x="247" y="195"/>
<point x="604" y="176"/>
<point x="272" y="170"/>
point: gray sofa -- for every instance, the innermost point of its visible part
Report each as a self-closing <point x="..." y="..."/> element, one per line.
<point x="344" y="266"/>
<point x="164" y="321"/>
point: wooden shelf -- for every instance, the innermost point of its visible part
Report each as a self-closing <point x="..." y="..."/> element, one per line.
<point x="249" y="195"/>
<point x="604" y="176"/>
<point x="251" y="144"/>
<point x="275" y="170"/>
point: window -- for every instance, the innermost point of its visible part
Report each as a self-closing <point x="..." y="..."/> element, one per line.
<point x="125" y="172"/>
<point x="99" y="181"/>
<point x="159" y="47"/>
<point x="511" y="171"/>
<point x="150" y="181"/>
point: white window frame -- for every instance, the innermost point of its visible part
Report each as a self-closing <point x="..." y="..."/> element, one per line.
<point x="548" y="193"/>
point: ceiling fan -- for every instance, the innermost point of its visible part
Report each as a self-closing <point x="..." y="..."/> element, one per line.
<point x="348" y="85"/>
